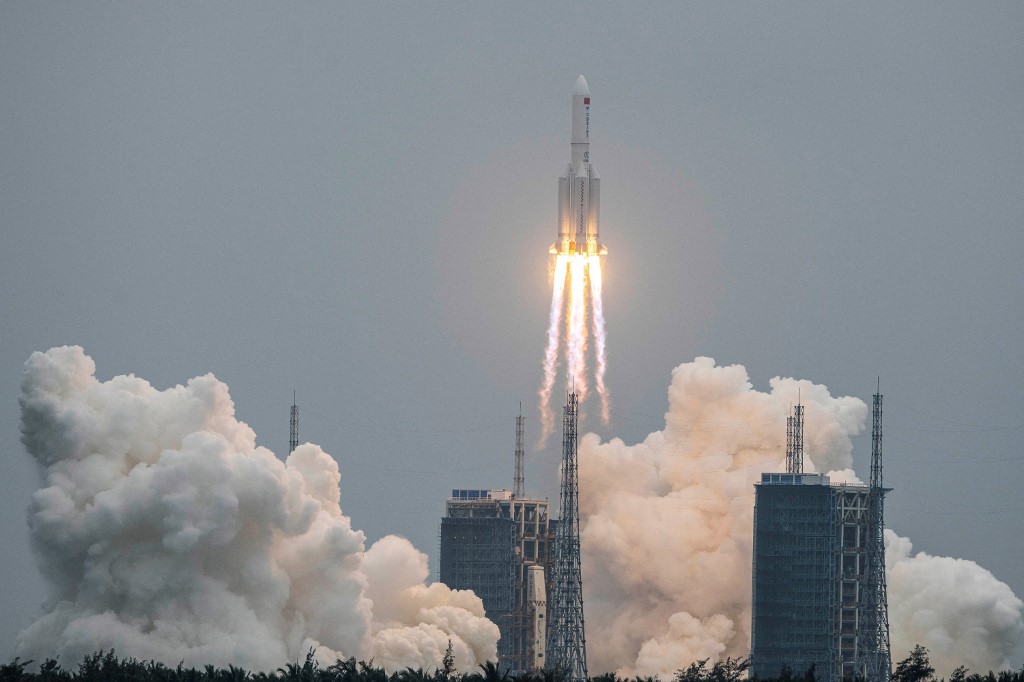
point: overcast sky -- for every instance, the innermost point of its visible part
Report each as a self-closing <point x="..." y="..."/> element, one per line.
<point x="355" y="201"/>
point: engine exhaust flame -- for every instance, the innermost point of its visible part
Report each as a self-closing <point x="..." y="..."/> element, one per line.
<point x="576" y="328"/>
<point x="551" y="352"/>
<point x="584" y="287"/>
<point x="600" y="352"/>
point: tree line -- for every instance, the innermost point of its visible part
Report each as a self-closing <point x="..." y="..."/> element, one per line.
<point x="106" y="666"/>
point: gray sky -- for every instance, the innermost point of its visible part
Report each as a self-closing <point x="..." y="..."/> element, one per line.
<point x="355" y="201"/>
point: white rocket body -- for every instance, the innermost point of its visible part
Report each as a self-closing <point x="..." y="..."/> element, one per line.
<point x="579" y="190"/>
<point x="537" y="599"/>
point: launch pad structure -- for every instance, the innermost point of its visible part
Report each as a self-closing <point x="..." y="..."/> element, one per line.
<point x="494" y="544"/>
<point x="499" y="544"/>
<point x="819" y="594"/>
<point x="567" y="643"/>
<point x="524" y="565"/>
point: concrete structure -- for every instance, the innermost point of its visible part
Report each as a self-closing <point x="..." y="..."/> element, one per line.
<point x="498" y="546"/>
<point x="812" y="582"/>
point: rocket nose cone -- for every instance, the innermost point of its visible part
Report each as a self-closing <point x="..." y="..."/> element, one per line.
<point x="581" y="89"/>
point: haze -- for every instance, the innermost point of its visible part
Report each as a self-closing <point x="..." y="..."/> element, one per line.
<point x="355" y="202"/>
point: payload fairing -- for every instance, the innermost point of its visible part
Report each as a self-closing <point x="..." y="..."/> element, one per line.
<point x="579" y="190"/>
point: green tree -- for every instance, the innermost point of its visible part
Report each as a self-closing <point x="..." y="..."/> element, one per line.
<point x="343" y="670"/>
<point x="695" y="672"/>
<point x="729" y="670"/>
<point x="14" y="671"/>
<point x="958" y="675"/>
<point x="914" y="668"/>
<point x="490" y="672"/>
<point x="447" y="669"/>
<point x="606" y="677"/>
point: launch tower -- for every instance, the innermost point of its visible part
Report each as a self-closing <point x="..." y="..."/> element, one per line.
<point x="498" y="544"/>
<point x="875" y="664"/>
<point x="519" y="481"/>
<point x="567" y="644"/>
<point x="818" y="571"/>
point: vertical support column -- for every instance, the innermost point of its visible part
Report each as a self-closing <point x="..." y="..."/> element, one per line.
<point x="790" y="462"/>
<point x="795" y="441"/>
<point x="876" y="661"/>
<point x="293" y="427"/>
<point x="518" y="483"/>
<point x="567" y="646"/>
<point x="798" y="439"/>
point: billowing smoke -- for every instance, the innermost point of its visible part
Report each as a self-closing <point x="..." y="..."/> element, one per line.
<point x="666" y="534"/>
<point x="956" y="608"/>
<point x="166" y="533"/>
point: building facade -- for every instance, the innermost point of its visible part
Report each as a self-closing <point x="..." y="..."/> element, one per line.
<point x="498" y="546"/>
<point x="811" y="577"/>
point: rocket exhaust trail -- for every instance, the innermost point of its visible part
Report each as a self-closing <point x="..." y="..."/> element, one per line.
<point x="577" y="330"/>
<point x="551" y="352"/>
<point x="600" y="352"/>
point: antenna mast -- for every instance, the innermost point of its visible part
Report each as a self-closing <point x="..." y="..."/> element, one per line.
<point x="293" y="430"/>
<point x="798" y="439"/>
<point x="790" y="466"/>
<point x="795" y="440"/>
<point x="517" y="487"/>
<point x="876" y="662"/>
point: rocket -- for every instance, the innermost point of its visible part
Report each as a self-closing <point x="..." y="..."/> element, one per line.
<point x="579" y="190"/>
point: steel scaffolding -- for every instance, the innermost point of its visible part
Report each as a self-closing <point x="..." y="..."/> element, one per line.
<point x="795" y="441"/>
<point x="819" y="594"/>
<point x="794" y="569"/>
<point x="478" y="553"/>
<point x="518" y="481"/>
<point x="875" y="662"/>
<point x="293" y="427"/>
<point x="489" y="543"/>
<point x="567" y="645"/>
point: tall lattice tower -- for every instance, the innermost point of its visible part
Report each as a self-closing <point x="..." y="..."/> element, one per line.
<point x="876" y="658"/>
<point x="518" y="484"/>
<point x="567" y="644"/>
<point x="293" y="427"/>
<point x="795" y="441"/>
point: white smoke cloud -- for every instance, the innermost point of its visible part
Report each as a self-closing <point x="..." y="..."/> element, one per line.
<point x="954" y="607"/>
<point x="666" y="528"/>
<point x="409" y="613"/>
<point x="164" y="532"/>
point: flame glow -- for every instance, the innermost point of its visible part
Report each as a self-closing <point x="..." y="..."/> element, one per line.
<point x="584" y="275"/>
<point x="600" y="352"/>
<point x="551" y="352"/>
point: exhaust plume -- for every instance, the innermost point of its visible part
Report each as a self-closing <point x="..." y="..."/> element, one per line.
<point x="163" y="531"/>
<point x="584" y="286"/>
<point x="666" y="533"/>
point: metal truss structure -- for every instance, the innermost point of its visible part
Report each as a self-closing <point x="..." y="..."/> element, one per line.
<point x="795" y="441"/>
<point x="567" y="645"/>
<point x="819" y="593"/>
<point x="293" y="427"/>
<point x="875" y="661"/>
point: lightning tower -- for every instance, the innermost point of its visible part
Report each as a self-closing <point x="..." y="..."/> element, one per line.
<point x="795" y="441"/>
<point x="567" y="644"/>
<point x="518" y="483"/>
<point x="293" y="427"/>
<point x="876" y="660"/>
